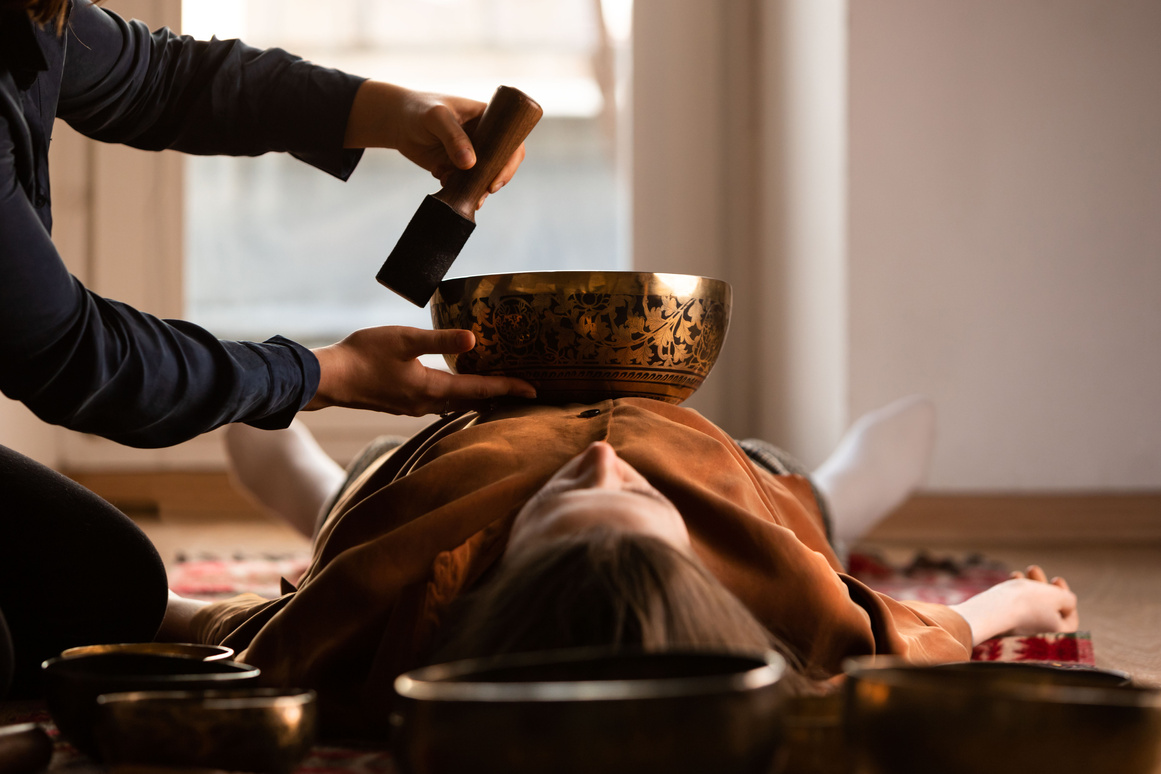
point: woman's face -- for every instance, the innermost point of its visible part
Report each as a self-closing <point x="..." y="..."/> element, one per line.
<point x="596" y="489"/>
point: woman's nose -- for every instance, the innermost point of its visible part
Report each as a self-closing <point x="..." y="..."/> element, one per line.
<point x="602" y="466"/>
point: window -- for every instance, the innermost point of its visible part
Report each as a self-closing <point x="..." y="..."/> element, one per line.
<point x="692" y="63"/>
<point x="274" y="246"/>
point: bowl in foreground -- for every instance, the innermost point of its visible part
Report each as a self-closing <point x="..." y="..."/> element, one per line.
<point x="586" y="336"/>
<point x="1000" y="718"/>
<point x="246" y="729"/>
<point x="72" y="685"/>
<point x="592" y="710"/>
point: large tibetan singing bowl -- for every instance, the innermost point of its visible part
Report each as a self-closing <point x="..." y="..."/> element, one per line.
<point x="586" y="336"/>
<point x="999" y="717"/>
<point x="592" y="710"/>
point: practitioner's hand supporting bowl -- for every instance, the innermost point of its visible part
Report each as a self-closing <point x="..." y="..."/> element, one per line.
<point x="379" y="369"/>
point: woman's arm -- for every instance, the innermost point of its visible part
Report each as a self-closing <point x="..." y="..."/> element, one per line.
<point x="1027" y="603"/>
<point x="177" y="626"/>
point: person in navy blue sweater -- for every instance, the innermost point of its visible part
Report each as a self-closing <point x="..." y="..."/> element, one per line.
<point x="99" y="366"/>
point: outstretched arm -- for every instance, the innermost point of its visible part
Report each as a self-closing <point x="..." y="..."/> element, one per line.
<point x="1027" y="603"/>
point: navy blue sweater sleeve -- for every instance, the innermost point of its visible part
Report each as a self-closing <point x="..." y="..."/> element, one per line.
<point x="98" y="366"/>
<point x="124" y="84"/>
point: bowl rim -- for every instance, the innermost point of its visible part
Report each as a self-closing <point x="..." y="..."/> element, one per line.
<point x="436" y="683"/>
<point x="237" y="671"/>
<point x="216" y="699"/>
<point x="581" y="273"/>
<point x="918" y="677"/>
<point x="215" y="652"/>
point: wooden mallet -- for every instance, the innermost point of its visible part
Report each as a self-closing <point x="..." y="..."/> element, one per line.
<point x="444" y="221"/>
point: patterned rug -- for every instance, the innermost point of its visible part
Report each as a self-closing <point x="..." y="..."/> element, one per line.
<point x="950" y="580"/>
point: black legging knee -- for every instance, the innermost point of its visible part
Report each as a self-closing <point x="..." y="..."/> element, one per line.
<point x="73" y="571"/>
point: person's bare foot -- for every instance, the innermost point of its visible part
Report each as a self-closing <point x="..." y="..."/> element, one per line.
<point x="285" y="472"/>
<point x="879" y="462"/>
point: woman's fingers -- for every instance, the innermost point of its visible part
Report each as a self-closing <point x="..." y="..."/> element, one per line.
<point x="1036" y="573"/>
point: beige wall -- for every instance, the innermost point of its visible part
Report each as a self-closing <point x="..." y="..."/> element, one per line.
<point x="1005" y="233"/>
<point x="956" y="198"/>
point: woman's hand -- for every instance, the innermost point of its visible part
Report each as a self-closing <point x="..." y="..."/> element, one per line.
<point x="379" y="369"/>
<point x="429" y="129"/>
<point x="1027" y="603"/>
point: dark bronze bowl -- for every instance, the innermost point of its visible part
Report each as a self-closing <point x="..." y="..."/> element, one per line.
<point x="586" y="336"/>
<point x="72" y="685"/>
<point x="246" y="729"/>
<point x="1002" y="718"/>
<point x="592" y="711"/>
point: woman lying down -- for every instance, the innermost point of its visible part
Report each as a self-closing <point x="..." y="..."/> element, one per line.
<point x="629" y="522"/>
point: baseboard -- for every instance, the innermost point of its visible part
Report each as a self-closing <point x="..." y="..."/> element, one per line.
<point x="1024" y="518"/>
<point x="171" y="495"/>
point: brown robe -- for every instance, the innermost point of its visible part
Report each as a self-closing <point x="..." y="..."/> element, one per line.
<point x="419" y="527"/>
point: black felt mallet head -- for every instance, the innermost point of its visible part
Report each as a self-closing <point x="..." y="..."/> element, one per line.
<point x="444" y="221"/>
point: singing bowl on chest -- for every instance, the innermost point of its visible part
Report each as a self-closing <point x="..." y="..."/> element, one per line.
<point x="587" y="336"/>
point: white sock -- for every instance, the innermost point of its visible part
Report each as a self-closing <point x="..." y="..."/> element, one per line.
<point x="879" y="462"/>
<point x="285" y="472"/>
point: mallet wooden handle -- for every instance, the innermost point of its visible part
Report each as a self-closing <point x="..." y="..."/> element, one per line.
<point x="506" y="122"/>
